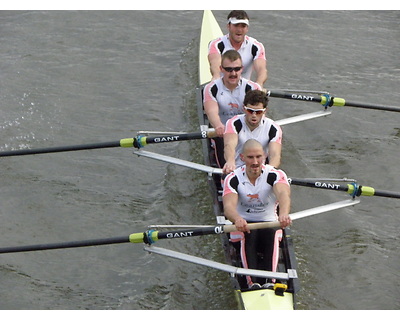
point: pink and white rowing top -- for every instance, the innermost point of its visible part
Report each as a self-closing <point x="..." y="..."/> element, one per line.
<point x="255" y="202"/>
<point x="230" y="103"/>
<point x="250" y="50"/>
<point x="267" y="131"/>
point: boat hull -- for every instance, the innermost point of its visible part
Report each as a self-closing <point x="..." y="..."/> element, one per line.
<point x="260" y="299"/>
<point x="267" y="299"/>
<point x="210" y="30"/>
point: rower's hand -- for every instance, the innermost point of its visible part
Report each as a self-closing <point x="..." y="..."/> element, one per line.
<point x="219" y="130"/>
<point x="241" y="225"/>
<point x="229" y="167"/>
<point x="285" y="221"/>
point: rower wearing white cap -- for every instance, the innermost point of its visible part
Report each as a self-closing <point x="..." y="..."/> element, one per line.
<point x="251" y="50"/>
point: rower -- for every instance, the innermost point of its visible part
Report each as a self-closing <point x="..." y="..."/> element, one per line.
<point x="252" y="193"/>
<point x="223" y="98"/>
<point x="252" y="125"/>
<point x="251" y="50"/>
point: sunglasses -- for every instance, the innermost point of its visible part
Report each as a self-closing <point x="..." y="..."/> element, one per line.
<point x="256" y="111"/>
<point x="230" y="69"/>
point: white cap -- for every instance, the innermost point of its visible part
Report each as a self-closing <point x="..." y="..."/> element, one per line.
<point x="236" y="21"/>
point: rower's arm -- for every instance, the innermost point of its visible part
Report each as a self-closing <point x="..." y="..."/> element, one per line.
<point x="282" y="193"/>
<point x="230" y="143"/>
<point x="211" y="108"/>
<point x="274" y="154"/>
<point x="260" y="67"/>
<point x="230" y="201"/>
<point x="215" y="62"/>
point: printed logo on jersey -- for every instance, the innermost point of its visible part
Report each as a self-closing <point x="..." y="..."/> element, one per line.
<point x="253" y="197"/>
<point x="234" y="106"/>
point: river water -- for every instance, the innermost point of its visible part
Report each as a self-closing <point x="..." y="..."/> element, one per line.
<point x="75" y="77"/>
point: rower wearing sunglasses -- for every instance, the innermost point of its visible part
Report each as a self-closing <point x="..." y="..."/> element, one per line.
<point x="223" y="97"/>
<point x="253" y="124"/>
<point x="251" y="50"/>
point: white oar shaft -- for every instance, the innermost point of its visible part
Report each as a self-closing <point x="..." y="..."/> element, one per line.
<point x="303" y="117"/>
<point x="324" y="208"/>
<point x="220" y="266"/>
<point x="184" y="163"/>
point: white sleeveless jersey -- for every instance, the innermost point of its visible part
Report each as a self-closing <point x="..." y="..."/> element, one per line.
<point x="255" y="202"/>
<point x="230" y="103"/>
<point x="250" y="50"/>
<point x="267" y="131"/>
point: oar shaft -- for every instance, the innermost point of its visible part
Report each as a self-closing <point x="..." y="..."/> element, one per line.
<point x="138" y="142"/>
<point x="329" y="101"/>
<point x="319" y="184"/>
<point x="370" y="106"/>
<point x="148" y="237"/>
<point x="144" y="140"/>
<point x="152" y="236"/>
<point x="369" y="191"/>
<point x="294" y="96"/>
<point x="65" y="245"/>
<point x="90" y="146"/>
<point x="352" y="189"/>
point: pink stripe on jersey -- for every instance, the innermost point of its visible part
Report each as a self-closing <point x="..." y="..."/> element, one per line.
<point x="281" y="176"/>
<point x="208" y="96"/>
<point x="227" y="186"/>
<point x="212" y="47"/>
<point x="261" y="51"/>
<point x="230" y="128"/>
<point x="279" y="134"/>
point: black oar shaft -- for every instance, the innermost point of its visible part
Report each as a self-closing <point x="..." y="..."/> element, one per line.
<point x="329" y="101"/>
<point x="22" y="152"/>
<point x="319" y="184"/>
<point x="148" y="237"/>
<point x="125" y="143"/>
<point x="294" y="96"/>
<point x="387" y="194"/>
<point x="371" y="106"/>
<point x="353" y="189"/>
<point x="152" y="236"/>
<point x="64" y="245"/>
<point x="142" y="141"/>
<point x="190" y="232"/>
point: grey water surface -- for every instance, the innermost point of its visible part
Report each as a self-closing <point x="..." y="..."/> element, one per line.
<point x="76" y="77"/>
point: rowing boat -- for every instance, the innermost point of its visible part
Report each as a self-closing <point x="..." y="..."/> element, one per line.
<point x="281" y="295"/>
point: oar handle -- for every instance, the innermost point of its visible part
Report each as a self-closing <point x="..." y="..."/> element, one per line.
<point x="253" y="226"/>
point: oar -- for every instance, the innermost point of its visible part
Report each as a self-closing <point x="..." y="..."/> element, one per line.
<point x="151" y="236"/>
<point x="351" y="188"/>
<point x="137" y="142"/>
<point x="328" y="101"/>
<point x="148" y="237"/>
